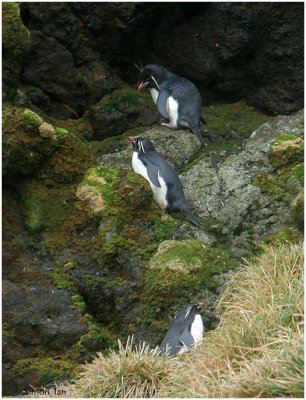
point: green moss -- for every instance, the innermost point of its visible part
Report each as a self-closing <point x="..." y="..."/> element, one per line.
<point x="271" y="185"/>
<point x="15" y="45"/>
<point x="103" y="179"/>
<point x="126" y="98"/>
<point x="30" y="119"/>
<point x="78" y="302"/>
<point x="286" y="151"/>
<point x="177" y="272"/>
<point x="297" y="209"/>
<point x="62" y="279"/>
<point x="164" y="227"/>
<point x="298" y="172"/>
<point x="47" y="370"/>
<point x="288" y="234"/>
<point x="98" y="338"/>
<point x="237" y="117"/>
<point x="23" y="145"/>
<point x="45" y="209"/>
<point x="61" y="132"/>
<point x="78" y="128"/>
<point x="285" y="137"/>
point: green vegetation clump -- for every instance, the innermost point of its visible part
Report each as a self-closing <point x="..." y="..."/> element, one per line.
<point x="47" y="370"/>
<point x="287" y="156"/>
<point x="271" y="185"/>
<point x="46" y="213"/>
<point x="125" y="98"/>
<point x="15" y="45"/>
<point x="62" y="279"/>
<point x="237" y="117"/>
<point x="286" y="152"/>
<point x="178" y="271"/>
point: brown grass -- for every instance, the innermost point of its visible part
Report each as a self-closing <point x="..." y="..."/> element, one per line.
<point x="257" y="350"/>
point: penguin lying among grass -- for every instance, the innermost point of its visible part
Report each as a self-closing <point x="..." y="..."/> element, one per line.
<point x="165" y="184"/>
<point x="186" y="330"/>
<point x="177" y="98"/>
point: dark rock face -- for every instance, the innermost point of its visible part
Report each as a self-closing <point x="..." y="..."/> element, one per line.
<point x="230" y="50"/>
<point x="62" y="62"/>
<point x="123" y="109"/>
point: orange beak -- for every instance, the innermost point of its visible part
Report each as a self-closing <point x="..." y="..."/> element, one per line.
<point x="131" y="139"/>
<point x="201" y="305"/>
<point x="141" y="85"/>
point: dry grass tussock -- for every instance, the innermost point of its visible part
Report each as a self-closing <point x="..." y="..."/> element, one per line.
<point x="132" y="371"/>
<point x="257" y="350"/>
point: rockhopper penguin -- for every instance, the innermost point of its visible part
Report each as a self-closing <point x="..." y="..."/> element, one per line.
<point x="177" y="98"/>
<point x="186" y="330"/>
<point x="165" y="184"/>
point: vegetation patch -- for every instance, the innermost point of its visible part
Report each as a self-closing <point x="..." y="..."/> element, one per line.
<point x="47" y="213"/>
<point x="47" y="370"/>
<point x="237" y="117"/>
<point x="177" y="272"/>
<point x="286" y="152"/>
<point x="15" y="45"/>
<point x="125" y="98"/>
<point x="271" y="185"/>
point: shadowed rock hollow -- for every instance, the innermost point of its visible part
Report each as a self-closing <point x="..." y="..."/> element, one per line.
<point x="87" y="255"/>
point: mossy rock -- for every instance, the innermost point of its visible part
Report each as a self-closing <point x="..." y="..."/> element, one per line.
<point x="121" y="110"/>
<point x="236" y="117"/>
<point x="271" y="185"/>
<point x="297" y="209"/>
<point x="43" y="371"/>
<point x="285" y="235"/>
<point x="15" y="45"/>
<point x="286" y="152"/>
<point x="180" y="272"/>
<point x="50" y="213"/>
<point x="25" y="145"/>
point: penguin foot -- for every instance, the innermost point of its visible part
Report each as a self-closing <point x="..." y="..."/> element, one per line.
<point x="168" y="125"/>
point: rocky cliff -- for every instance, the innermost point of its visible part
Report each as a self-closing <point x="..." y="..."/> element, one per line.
<point x="87" y="255"/>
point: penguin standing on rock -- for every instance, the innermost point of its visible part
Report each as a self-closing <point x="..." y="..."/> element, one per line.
<point x="177" y="98"/>
<point x="186" y="330"/>
<point x="165" y="184"/>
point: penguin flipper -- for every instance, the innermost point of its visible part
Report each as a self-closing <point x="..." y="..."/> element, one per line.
<point x="162" y="102"/>
<point x="185" y="338"/>
<point x="153" y="174"/>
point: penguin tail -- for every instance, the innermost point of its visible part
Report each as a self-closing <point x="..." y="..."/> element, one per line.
<point x="188" y="214"/>
<point x="198" y="133"/>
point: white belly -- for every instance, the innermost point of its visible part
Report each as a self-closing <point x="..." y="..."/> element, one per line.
<point x="172" y="109"/>
<point x="197" y="329"/>
<point x="154" y="94"/>
<point x="159" y="193"/>
<point x="138" y="166"/>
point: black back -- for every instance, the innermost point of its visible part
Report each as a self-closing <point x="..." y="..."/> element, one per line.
<point x="179" y="334"/>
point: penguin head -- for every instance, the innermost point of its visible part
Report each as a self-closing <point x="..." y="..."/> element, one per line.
<point x="140" y="144"/>
<point x="188" y="311"/>
<point x="151" y="76"/>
